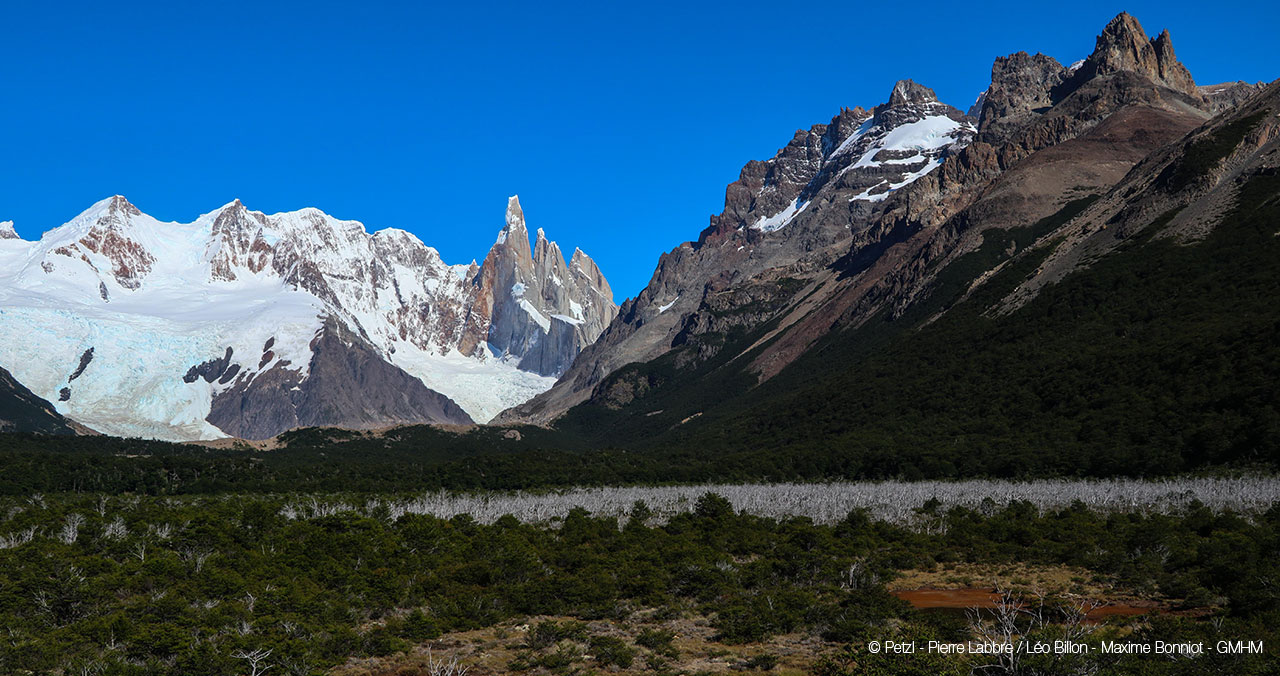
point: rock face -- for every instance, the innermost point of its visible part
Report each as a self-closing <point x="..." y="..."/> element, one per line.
<point x="1021" y="89"/>
<point x="855" y="219"/>
<point x="1229" y="95"/>
<point x="174" y="318"/>
<point x="7" y="231"/>
<point x="1179" y="192"/>
<point x="21" y="411"/>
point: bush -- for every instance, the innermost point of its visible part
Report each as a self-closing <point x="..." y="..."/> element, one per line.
<point x="549" y="632"/>
<point x="658" y="640"/>
<point x="610" y="650"/>
<point x="761" y="662"/>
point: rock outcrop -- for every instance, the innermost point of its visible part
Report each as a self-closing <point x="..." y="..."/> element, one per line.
<point x="1124" y="47"/>
<point x="1229" y="95"/>
<point x="1021" y="90"/>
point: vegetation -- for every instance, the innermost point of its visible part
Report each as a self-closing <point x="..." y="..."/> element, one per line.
<point x="139" y="585"/>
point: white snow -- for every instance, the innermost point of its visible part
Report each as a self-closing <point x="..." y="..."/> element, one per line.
<point x="567" y="319"/>
<point x="668" y="306"/>
<point x="855" y="137"/>
<point x="780" y="220"/>
<point x="143" y="343"/>
<point x="576" y="309"/>
<point x="930" y="133"/>
<point x="518" y="289"/>
<point x="907" y="180"/>
<point x="482" y="387"/>
<point x="536" y="315"/>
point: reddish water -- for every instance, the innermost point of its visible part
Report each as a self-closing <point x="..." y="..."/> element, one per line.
<point x="962" y="599"/>
<point x="949" y="598"/>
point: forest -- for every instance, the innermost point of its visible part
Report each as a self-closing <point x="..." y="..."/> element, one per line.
<point x="130" y="584"/>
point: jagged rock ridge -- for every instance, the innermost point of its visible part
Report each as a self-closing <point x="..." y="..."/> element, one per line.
<point x="541" y="310"/>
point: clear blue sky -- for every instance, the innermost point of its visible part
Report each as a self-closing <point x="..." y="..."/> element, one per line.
<point x="619" y="124"/>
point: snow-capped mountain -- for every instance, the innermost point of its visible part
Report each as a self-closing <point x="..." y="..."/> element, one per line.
<point x="248" y="324"/>
<point x="869" y="153"/>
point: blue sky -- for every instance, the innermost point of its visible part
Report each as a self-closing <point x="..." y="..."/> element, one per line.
<point x="618" y="124"/>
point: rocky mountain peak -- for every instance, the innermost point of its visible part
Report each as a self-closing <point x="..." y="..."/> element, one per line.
<point x="1124" y="46"/>
<point x="110" y="212"/>
<point x="513" y="240"/>
<point x="119" y="205"/>
<point x="1021" y="85"/>
<point x="237" y="243"/>
<point x="530" y="308"/>
<point x="515" y="215"/>
<point x="546" y="253"/>
<point x="7" y="231"/>
<point x="907" y="92"/>
<point x="232" y="212"/>
<point x="110" y="228"/>
<point x="908" y="102"/>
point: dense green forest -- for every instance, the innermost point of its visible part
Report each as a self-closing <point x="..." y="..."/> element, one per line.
<point x="143" y="585"/>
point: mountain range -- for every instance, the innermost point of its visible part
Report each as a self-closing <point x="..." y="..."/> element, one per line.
<point x="858" y="216"/>
<point x="247" y="325"/>
<point x="1015" y="292"/>
<point x="1075" y="264"/>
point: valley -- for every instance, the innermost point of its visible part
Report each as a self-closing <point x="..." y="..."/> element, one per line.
<point x="1001" y="375"/>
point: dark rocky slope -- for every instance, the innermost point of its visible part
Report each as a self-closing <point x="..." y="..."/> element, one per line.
<point x="21" y="411"/>
<point x="348" y="384"/>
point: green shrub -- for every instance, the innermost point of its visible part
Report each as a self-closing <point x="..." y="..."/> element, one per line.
<point x="610" y="650"/>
